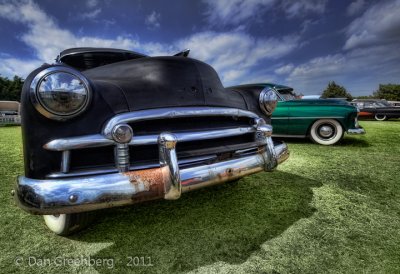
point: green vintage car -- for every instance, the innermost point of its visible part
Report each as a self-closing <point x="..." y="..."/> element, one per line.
<point x="324" y="121"/>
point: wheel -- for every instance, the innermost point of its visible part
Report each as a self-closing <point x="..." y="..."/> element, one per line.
<point x="380" y="117"/>
<point x="66" y="224"/>
<point x="326" y="132"/>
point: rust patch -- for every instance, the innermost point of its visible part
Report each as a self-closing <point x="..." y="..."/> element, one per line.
<point x="152" y="180"/>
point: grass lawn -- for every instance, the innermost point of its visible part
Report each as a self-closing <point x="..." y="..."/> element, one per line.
<point x="327" y="209"/>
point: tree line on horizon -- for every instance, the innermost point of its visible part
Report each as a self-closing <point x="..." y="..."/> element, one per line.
<point x="389" y="92"/>
<point x="10" y="90"/>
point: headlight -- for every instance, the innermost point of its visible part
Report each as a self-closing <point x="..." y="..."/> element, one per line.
<point x="60" y="93"/>
<point x="268" y="100"/>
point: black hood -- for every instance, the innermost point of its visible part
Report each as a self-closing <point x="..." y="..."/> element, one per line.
<point x="158" y="82"/>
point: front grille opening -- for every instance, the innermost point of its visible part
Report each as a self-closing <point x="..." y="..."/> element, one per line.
<point x="189" y="124"/>
<point x="102" y="157"/>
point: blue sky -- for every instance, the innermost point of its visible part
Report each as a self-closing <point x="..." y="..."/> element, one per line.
<point x="301" y="43"/>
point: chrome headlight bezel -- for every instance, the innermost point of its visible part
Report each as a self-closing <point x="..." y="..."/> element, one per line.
<point x="268" y="100"/>
<point x="45" y="110"/>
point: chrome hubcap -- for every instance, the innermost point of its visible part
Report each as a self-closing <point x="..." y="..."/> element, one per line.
<point x="326" y="131"/>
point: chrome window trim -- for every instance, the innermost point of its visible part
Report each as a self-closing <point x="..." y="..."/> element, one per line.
<point x="170" y="113"/>
<point x="317" y="117"/>
<point x="43" y="110"/>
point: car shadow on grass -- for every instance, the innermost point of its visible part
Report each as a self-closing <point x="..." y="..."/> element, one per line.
<point x="353" y="141"/>
<point x="223" y="223"/>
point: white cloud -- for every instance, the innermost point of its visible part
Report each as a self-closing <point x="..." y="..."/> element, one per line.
<point x="11" y="66"/>
<point x="234" y="54"/>
<point x="286" y="69"/>
<point x="92" y="3"/>
<point x="90" y="14"/>
<point x="355" y="7"/>
<point x="234" y="11"/>
<point x="300" y="8"/>
<point x="327" y="65"/>
<point x="152" y="20"/>
<point x="380" y="24"/>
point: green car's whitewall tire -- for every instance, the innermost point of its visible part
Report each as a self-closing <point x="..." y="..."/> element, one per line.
<point x="326" y="132"/>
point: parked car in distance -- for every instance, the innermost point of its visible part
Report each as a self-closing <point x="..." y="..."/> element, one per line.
<point x="380" y="110"/>
<point x="324" y="121"/>
<point x="108" y="127"/>
<point x="9" y="113"/>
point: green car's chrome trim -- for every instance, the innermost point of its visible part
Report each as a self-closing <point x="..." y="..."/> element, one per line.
<point x="356" y="131"/>
<point x="317" y="117"/>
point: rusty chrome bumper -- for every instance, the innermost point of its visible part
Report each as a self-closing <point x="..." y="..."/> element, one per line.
<point x="72" y="195"/>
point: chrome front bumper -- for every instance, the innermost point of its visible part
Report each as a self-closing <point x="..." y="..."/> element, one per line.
<point x="64" y="192"/>
<point x="72" y="195"/>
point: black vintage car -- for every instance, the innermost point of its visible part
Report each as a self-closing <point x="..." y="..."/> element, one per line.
<point x="380" y="110"/>
<point x="108" y="127"/>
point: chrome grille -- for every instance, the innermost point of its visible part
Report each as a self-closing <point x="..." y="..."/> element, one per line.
<point x="201" y="132"/>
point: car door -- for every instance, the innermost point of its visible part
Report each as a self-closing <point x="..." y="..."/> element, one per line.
<point x="301" y="115"/>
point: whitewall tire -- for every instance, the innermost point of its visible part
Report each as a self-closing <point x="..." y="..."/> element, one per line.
<point x="326" y="132"/>
<point x="380" y="117"/>
<point x="65" y="224"/>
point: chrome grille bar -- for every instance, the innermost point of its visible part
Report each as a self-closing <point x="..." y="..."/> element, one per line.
<point x="65" y="145"/>
<point x="87" y="141"/>
<point x="97" y="140"/>
<point x="171" y="113"/>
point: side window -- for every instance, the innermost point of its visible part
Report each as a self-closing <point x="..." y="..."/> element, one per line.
<point x="369" y="105"/>
<point x="360" y="105"/>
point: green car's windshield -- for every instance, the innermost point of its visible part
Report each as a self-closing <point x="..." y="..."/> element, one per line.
<point x="287" y="94"/>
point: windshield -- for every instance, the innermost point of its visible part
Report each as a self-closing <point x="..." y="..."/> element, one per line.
<point x="383" y="104"/>
<point x="287" y="94"/>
